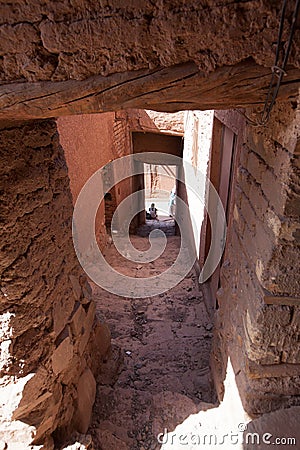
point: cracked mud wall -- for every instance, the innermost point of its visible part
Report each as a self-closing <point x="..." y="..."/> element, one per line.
<point x="258" y="323"/>
<point x="50" y="331"/>
<point x="92" y="140"/>
<point x="71" y="57"/>
<point x="40" y="39"/>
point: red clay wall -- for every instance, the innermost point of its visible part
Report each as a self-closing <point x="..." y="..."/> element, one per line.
<point x="51" y="328"/>
<point x="261" y="260"/>
<point x="122" y="147"/>
<point x="88" y="142"/>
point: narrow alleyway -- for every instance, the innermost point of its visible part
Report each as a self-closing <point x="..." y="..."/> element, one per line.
<point x="161" y="351"/>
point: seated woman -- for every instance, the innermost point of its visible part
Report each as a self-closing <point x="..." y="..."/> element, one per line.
<point x="153" y="212"/>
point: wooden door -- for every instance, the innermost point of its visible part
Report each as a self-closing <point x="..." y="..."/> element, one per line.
<point x="222" y="174"/>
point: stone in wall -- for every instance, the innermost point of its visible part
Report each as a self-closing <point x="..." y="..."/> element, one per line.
<point x="48" y="327"/>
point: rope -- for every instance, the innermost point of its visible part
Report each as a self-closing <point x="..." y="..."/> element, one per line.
<point x="277" y="70"/>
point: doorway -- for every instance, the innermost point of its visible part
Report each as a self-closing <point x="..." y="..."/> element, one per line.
<point x="221" y="174"/>
<point x="160" y="186"/>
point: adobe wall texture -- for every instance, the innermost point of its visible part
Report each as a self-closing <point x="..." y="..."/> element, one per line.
<point x="77" y="134"/>
<point x="262" y="259"/>
<point x="88" y="143"/>
<point x="64" y="58"/>
<point x="156" y="122"/>
<point x="51" y="331"/>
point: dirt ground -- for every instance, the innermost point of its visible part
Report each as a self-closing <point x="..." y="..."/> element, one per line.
<point x="160" y="354"/>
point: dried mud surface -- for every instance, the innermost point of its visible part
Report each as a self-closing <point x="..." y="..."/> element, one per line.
<point x="71" y="39"/>
<point x="161" y="349"/>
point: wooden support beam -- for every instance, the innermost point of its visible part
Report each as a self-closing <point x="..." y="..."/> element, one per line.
<point x="170" y="89"/>
<point x="256" y="371"/>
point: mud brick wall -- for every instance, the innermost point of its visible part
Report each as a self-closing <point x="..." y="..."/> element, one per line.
<point x="121" y="147"/>
<point x="87" y="141"/>
<point x="262" y="260"/>
<point x="50" y="331"/>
